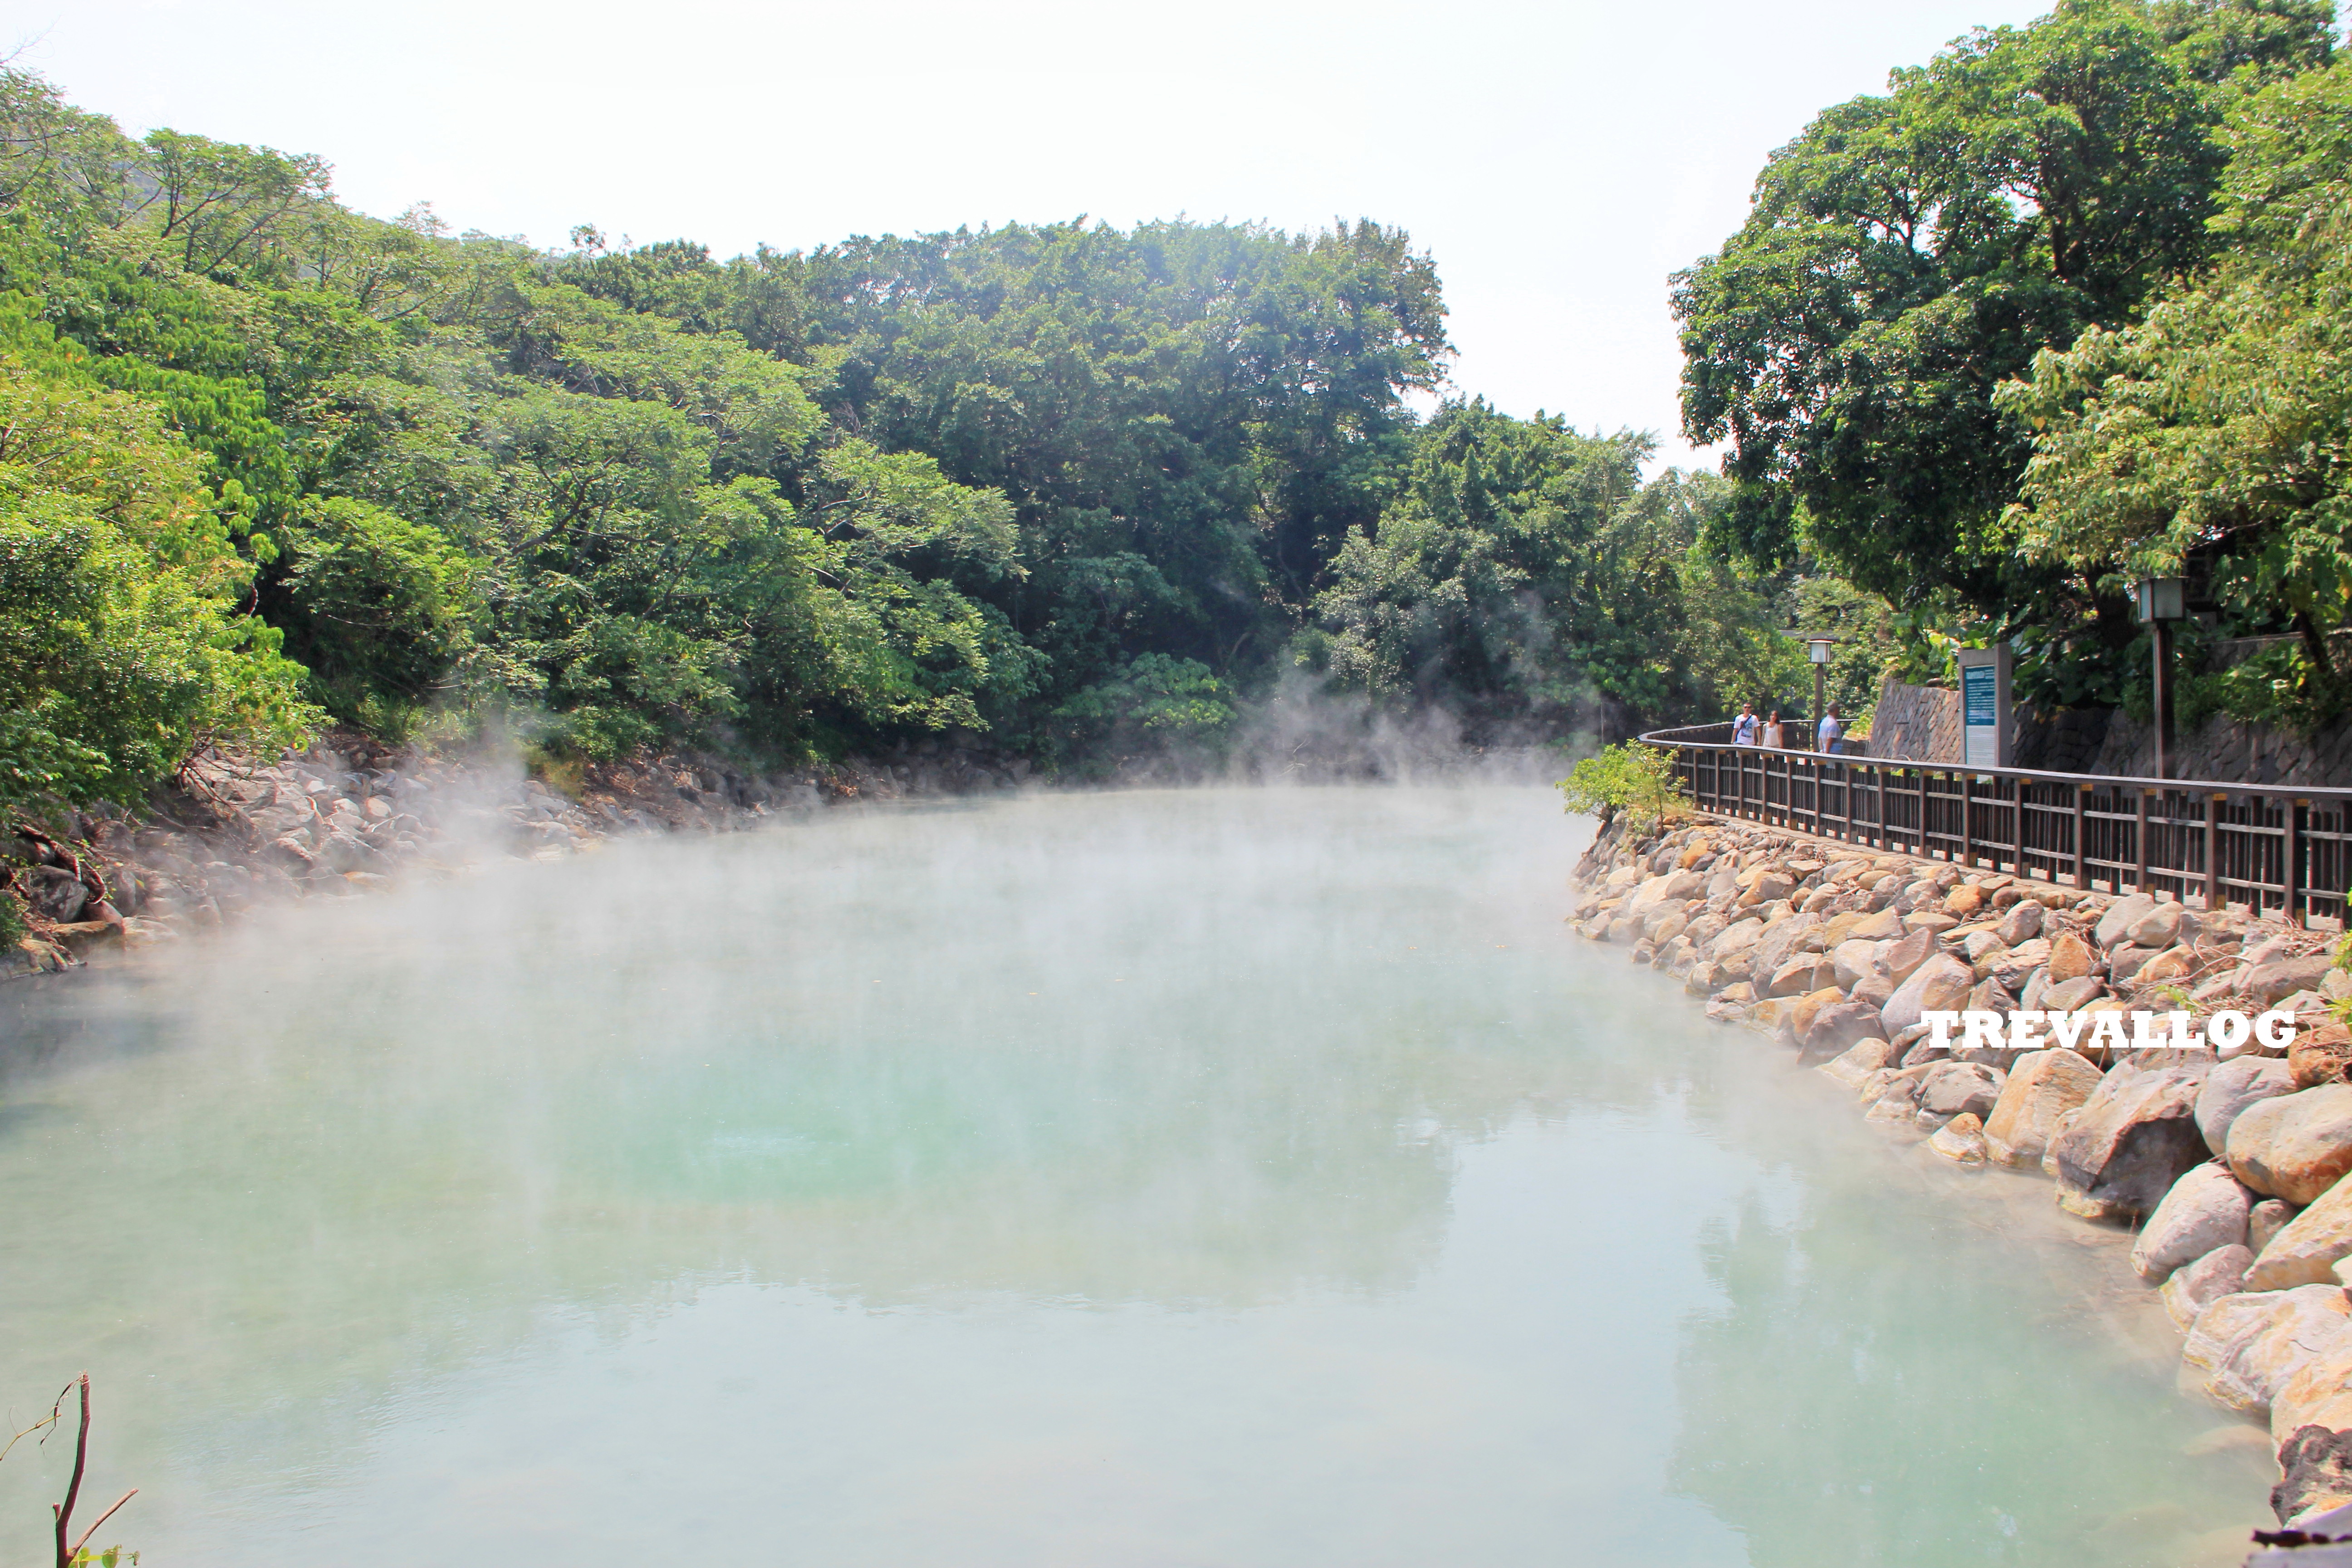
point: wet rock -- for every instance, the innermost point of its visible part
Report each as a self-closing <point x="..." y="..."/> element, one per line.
<point x="2247" y="1345"/>
<point x="54" y="893"/>
<point x="2320" y="1055"/>
<point x="1960" y="1140"/>
<point x="2231" y="1087"/>
<point x="1732" y="1002"/>
<point x="2294" y="1146"/>
<point x="1859" y="1062"/>
<point x="1953" y="1088"/>
<point x="1839" y="1025"/>
<point x="2305" y="1251"/>
<point x="2200" y="1282"/>
<point x="2315" y="1474"/>
<point x="2205" y="1210"/>
<point x="2042" y="1087"/>
<point x="1939" y="985"/>
<point x="2133" y="1139"/>
<point x="2266" y="1220"/>
<point x="2123" y="914"/>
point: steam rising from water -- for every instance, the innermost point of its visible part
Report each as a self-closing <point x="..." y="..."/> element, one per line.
<point x="1251" y="1177"/>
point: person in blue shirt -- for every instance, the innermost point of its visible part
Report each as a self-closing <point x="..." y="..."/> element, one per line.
<point x="1743" y="728"/>
<point x="1832" y="731"/>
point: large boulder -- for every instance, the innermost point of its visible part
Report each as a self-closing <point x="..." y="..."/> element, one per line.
<point x="1851" y="959"/>
<point x="2231" y="1087"/>
<point x="1960" y="1140"/>
<point x="1880" y="925"/>
<point x="2133" y="1139"/>
<point x="2266" y="1220"/>
<point x="1958" y="1088"/>
<point x="2246" y="1346"/>
<point x="1858" y="1061"/>
<point x="2315" y="1478"/>
<point x="2294" y="1146"/>
<point x="1903" y="959"/>
<point x="2284" y="977"/>
<point x="1939" y="985"/>
<point x="2071" y="957"/>
<point x="2161" y="927"/>
<point x="1737" y="938"/>
<point x="2121" y="916"/>
<point x="1784" y="942"/>
<point x="2321" y="1054"/>
<point x="2205" y="1210"/>
<point x="2305" y="1251"/>
<point x="2200" y="1282"/>
<point x="1674" y="885"/>
<point x="2042" y="1087"/>
<point x="1838" y="1026"/>
<point x="2022" y="923"/>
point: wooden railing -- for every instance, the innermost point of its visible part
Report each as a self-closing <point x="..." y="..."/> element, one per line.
<point x="2284" y="849"/>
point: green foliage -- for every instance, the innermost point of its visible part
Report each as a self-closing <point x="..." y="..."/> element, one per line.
<point x="120" y="640"/>
<point x="1155" y="700"/>
<point x="1909" y="253"/>
<point x="1637" y="780"/>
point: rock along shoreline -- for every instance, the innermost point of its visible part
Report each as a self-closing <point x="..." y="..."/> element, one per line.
<point x="348" y="816"/>
<point x="2234" y="1177"/>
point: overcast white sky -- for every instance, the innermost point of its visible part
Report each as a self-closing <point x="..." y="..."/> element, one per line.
<point x="1559" y="159"/>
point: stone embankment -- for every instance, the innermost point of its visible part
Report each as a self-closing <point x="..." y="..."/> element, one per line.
<point x="347" y="817"/>
<point x="2236" y="1176"/>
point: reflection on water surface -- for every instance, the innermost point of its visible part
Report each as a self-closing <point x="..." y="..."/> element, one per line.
<point x="1248" y="1177"/>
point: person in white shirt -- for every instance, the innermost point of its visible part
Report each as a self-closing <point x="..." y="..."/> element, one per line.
<point x="1831" y="732"/>
<point x="1743" y="728"/>
<point x="1773" y="737"/>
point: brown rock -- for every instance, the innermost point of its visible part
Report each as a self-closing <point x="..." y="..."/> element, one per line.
<point x="2295" y="1146"/>
<point x="1904" y="959"/>
<point x="2133" y="1139"/>
<point x="2264" y="1221"/>
<point x="2320" y="1055"/>
<point x="1802" y="1016"/>
<point x="1961" y="1140"/>
<point x="2070" y="957"/>
<point x="2042" y="1087"/>
<point x="1963" y="901"/>
<point x="2305" y="1253"/>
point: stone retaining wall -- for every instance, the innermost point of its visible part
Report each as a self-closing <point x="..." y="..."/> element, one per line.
<point x="2236" y="1176"/>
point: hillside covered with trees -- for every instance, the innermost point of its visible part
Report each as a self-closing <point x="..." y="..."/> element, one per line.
<point x="2059" y="307"/>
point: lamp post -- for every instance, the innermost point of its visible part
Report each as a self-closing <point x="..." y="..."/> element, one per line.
<point x="1817" y="649"/>
<point x="2159" y="602"/>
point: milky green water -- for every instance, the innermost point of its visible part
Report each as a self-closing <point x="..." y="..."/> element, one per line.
<point x="1213" y="1178"/>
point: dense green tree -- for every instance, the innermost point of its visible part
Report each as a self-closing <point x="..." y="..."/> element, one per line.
<point x="1907" y="253"/>
<point x="2210" y="439"/>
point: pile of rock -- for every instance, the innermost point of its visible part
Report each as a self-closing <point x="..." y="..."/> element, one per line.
<point x="2235" y="1172"/>
<point x="347" y="816"/>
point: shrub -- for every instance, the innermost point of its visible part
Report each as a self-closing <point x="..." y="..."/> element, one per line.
<point x="1632" y="778"/>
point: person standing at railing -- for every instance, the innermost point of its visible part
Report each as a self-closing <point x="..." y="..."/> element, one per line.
<point x="1831" y="732"/>
<point x="1743" y="728"/>
<point x="1774" y="737"/>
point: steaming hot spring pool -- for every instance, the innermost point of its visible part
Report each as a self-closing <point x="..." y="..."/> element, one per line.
<point x="1222" y="1177"/>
